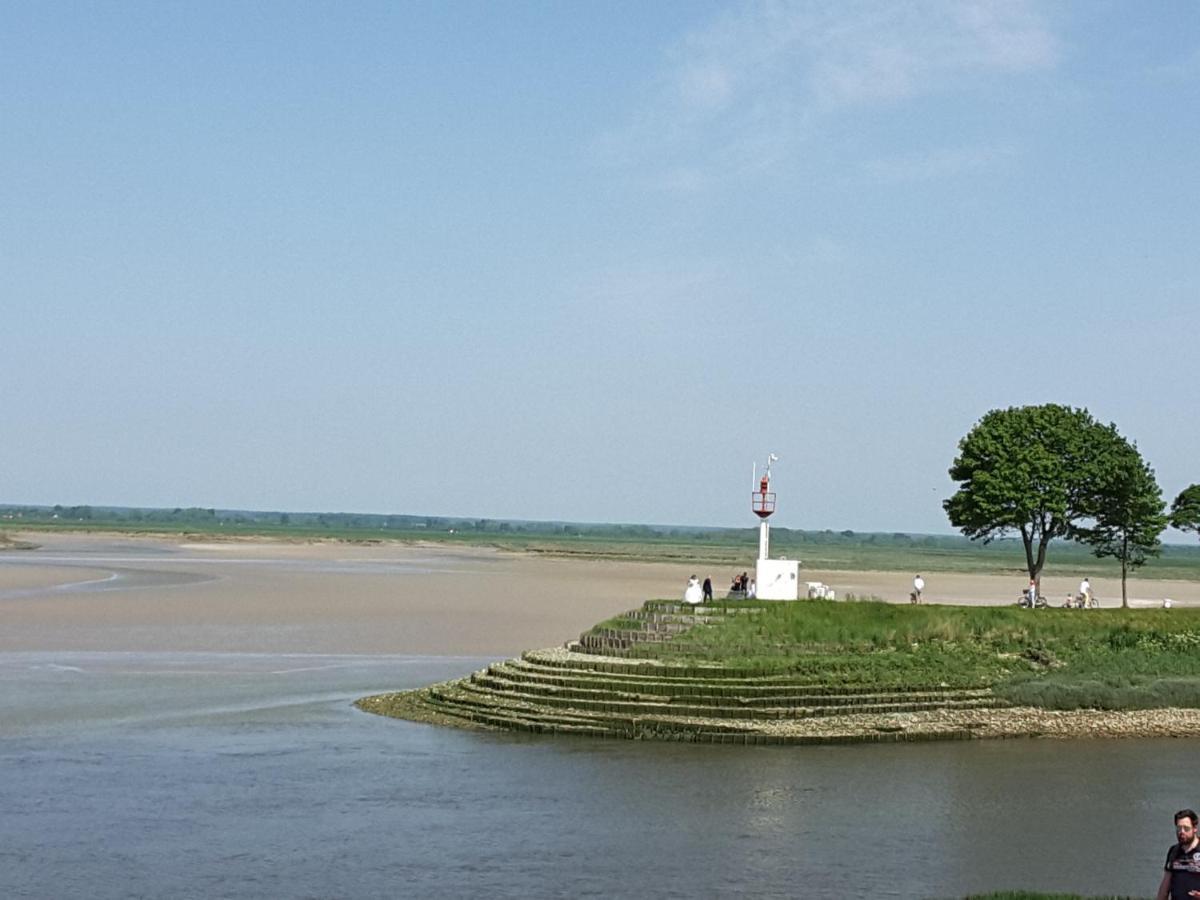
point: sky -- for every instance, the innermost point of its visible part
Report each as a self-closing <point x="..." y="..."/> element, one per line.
<point x="587" y="261"/>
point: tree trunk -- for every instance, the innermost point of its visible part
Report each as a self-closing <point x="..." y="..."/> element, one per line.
<point x="1027" y="540"/>
<point x="1036" y="574"/>
<point x="1124" y="557"/>
<point x="1035" y="565"/>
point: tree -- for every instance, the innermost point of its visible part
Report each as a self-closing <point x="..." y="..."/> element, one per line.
<point x="1185" y="511"/>
<point x="1030" y="470"/>
<point x="1128" y="513"/>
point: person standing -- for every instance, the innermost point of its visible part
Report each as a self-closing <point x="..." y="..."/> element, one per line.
<point x="707" y="589"/>
<point x="692" y="593"/>
<point x="1085" y="593"/>
<point x="918" y="588"/>
<point x="1181" y="874"/>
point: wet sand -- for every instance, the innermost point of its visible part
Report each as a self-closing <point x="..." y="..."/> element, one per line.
<point x="104" y="593"/>
<point x="139" y="594"/>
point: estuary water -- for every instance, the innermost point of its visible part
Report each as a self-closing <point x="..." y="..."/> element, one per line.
<point x="176" y="722"/>
<point x="185" y="775"/>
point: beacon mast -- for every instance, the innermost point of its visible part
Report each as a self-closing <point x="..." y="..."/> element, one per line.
<point x="776" y="579"/>
<point x="762" y="502"/>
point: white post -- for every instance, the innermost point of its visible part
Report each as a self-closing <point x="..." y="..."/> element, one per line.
<point x="764" y="540"/>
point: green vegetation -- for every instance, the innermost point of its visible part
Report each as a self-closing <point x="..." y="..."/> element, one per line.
<point x="1050" y="472"/>
<point x="1127" y="514"/>
<point x="1185" y="510"/>
<point x="1054" y="658"/>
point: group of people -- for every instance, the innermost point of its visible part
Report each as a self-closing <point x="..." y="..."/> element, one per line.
<point x="1181" y="873"/>
<point x="1084" y="599"/>
<point x="1030" y="597"/>
<point x="742" y="586"/>
<point x="697" y="592"/>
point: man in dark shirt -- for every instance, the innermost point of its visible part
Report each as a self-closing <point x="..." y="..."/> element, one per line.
<point x="1181" y="875"/>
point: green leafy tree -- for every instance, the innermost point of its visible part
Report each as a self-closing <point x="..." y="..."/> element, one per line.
<point x="1128" y="513"/>
<point x="1030" y="470"/>
<point x="1185" y="511"/>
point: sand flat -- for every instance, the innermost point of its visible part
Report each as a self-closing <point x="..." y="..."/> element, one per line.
<point x="20" y="579"/>
<point x="325" y="597"/>
<point x="252" y="596"/>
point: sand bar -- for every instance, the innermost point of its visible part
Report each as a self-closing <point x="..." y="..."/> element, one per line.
<point x="329" y="597"/>
<point x="120" y="593"/>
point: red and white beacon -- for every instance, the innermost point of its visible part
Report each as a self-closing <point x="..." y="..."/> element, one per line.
<point x="776" y="579"/>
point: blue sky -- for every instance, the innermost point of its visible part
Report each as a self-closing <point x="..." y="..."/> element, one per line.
<point x="587" y="261"/>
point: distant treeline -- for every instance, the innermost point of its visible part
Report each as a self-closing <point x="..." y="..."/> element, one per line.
<point x="398" y="525"/>
<point x="200" y="518"/>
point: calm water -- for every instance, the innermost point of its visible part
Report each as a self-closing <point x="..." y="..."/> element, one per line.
<point x="209" y="775"/>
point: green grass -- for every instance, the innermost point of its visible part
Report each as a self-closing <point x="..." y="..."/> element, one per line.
<point x="1053" y="658"/>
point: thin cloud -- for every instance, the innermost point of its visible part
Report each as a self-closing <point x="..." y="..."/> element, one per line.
<point x="937" y="163"/>
<point x="683" y="180"/>
<point x="741" y="94"/>
<point x="1186" y="68"/>
<point x="706" y="87"/>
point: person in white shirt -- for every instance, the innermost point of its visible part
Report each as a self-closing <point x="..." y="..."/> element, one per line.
<point x="918" y="588"/>
<point x="1085" y="593"/>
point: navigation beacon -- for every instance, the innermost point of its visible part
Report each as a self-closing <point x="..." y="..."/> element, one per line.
<point x="776" y="579"/>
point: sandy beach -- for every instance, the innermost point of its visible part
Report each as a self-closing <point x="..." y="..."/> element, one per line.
<point x="121" y="593"/>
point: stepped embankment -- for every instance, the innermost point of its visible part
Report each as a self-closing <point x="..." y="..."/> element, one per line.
<point x="629" y="678"/>
<point x="559" y="691"/>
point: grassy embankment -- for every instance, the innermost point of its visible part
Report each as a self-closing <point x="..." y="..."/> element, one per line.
<point x="1053" y="658"/>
